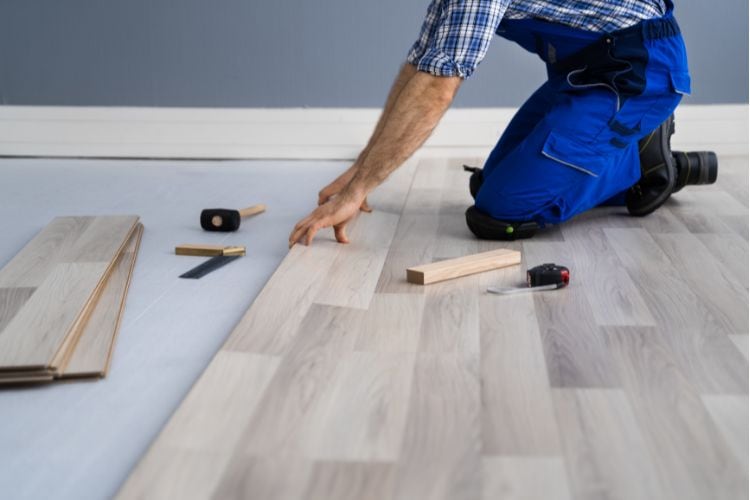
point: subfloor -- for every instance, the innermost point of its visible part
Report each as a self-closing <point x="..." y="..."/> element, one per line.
<point x="79" y="440"/>
<point x="343" y="381"/>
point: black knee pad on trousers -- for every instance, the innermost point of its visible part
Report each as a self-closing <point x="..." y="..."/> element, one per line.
<point x="486" y="228"/>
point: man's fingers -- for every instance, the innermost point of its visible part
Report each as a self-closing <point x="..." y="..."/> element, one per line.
<point x="294" y="237"/>
<point x="311" y="233"/>
<point x="365" y="207"/>
<point x="339" y="231"/>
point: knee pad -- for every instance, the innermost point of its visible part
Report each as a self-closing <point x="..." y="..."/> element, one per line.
<point x="486" y="228"/>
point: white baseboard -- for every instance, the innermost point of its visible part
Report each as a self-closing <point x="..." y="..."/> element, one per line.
<point x="326" y="133"/>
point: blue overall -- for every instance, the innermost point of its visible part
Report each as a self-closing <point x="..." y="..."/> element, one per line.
<point x="574" y="144"/>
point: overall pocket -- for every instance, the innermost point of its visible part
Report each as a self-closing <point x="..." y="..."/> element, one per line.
<point x="574" y="155"/>
<point x="641" y="114"/>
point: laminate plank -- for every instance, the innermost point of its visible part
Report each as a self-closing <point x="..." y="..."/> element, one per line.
<point x="612" y="295"/>
<point x="517" y="412"/>
<point x="364" y="410"/>
<point x="450" y="321"/>
<point x="11" y="301"/>
<point x="29" y="267"/>
<point x="731" y="251"/>
<point x="524" y="478"/>
<point x="606" y="455"/>
<point x="741" y="342"/>
<point x="270" y="324"/>
<point x="272" y="477"/>
<point x="730" y="414"/>
<point x="43" y="330"/>
<point x="576" y="354"/>
<point x="737" y="224"/>
<point x="416" y="233"/>
<point x="391" y="323"/>
<point x="288" y="419"/>
<point x="204" y="431"/>
<point x="718" y="288"/>
<point x="440" y="457"/>
<point x="697" y="338"/>
<point x="102" y="240"/>
<point x="363" y="258"/>
<point x="224" y="398"/>
<point x="349" y="480"/>
<point x="34" y="335"/>
<point x="706" y="210"/>
<point x="689" y="452"/>
<point x="174" y="473"/>
<point x="411" y="246"/>
<point x="93" y="351"/>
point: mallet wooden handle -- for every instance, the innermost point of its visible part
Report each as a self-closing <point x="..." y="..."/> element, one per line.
<point x="255" y="209"/>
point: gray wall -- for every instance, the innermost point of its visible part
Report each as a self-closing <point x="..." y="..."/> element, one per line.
<point x="253" y="53"/>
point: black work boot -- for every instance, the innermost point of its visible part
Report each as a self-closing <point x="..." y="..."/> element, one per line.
<point x="695" y="168"/>
<point x="658" y="173"/>
<point x="475" y="181"/>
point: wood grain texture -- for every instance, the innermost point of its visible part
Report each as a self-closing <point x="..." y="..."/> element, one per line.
<point x="730" y="414"/>
<point x="524" y="478"/>
<point x="688" y="449"/>
<point x="686" y="320"/>
<point x="517" y="412"/>
<point x="576" y="355"/>
<point x="627" y="384"/>
<point x="93" y="351"/>
<point x="606" y="454"/>
<point x="76" y="255"/>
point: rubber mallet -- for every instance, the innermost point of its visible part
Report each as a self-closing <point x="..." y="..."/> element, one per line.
<point x="223" y="219"/>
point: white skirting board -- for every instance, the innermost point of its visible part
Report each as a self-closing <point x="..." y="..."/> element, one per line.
<point x="291" y="133"/>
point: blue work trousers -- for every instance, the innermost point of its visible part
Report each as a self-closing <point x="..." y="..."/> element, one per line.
<point x="574" y="144"/>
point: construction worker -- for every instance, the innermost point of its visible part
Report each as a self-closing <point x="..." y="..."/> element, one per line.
<point x="616" y="71"/>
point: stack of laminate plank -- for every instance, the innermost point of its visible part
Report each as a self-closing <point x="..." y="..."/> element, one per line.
<point x="61" y="298"/>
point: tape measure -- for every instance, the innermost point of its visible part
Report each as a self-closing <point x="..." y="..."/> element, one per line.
<point x="545" y="277"/>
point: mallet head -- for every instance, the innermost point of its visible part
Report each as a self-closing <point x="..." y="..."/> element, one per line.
<point x="220" y="219"/>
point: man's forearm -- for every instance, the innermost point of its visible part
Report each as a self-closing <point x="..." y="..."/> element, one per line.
<point x="412" y="118"/>
<point x="406" y="72"/>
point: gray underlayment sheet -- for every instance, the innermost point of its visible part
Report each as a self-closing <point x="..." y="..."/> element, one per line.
<point x="80" y="440"/>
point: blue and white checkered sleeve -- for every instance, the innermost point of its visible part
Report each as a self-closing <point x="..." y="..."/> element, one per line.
<point x="455" y="36"/>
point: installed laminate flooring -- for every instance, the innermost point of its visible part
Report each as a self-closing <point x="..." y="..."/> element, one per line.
<point x="343" y="381"/>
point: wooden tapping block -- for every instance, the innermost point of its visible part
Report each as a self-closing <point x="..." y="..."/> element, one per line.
<point x="462" y="266"/>
<point x="208" y="250"/>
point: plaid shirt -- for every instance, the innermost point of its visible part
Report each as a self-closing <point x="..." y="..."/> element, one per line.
<point x="456" y="33"/>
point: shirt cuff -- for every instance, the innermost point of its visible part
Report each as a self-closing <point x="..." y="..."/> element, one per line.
<point x="438" y="63"/>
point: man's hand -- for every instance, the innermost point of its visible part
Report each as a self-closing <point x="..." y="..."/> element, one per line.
<point x="336" y="212"/>
<point x="416" y="104"/>
<point x="338" y="185"/>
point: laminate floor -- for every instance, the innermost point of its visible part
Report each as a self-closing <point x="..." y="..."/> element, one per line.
<point x="343" y="381"/>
